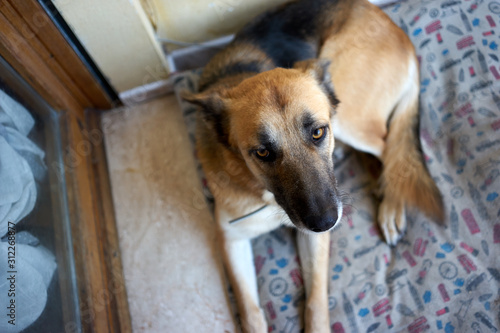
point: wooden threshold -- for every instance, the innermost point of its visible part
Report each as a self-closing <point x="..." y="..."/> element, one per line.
<point x="103" y="298"/>
<point x="32" y="44"/>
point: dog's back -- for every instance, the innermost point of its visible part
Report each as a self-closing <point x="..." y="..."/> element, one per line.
<point x="281" y="37"/>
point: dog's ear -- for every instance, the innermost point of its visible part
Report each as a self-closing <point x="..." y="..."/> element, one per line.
<point x="211" y="103"/>
<point x="318" y="69"/>
<point x="213" y="110"/>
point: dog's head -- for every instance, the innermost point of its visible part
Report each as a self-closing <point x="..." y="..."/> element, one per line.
<point x="279" y="121"/>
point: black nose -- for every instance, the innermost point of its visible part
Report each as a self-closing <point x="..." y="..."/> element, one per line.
<point x="324" y="222"/>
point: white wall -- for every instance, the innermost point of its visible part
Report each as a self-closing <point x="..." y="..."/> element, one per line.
<point x="120" y="39"/>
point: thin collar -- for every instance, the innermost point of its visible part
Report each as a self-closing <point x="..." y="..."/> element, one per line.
<point x="247" y="215"/>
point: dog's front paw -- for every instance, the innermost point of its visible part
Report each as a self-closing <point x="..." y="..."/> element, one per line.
<point x="392" y="220"/>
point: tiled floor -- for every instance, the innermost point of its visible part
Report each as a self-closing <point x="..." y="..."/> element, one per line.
<point x="174" y="277"/>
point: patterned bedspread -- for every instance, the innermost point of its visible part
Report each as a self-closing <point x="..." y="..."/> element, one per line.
<point x="438" y="278"/>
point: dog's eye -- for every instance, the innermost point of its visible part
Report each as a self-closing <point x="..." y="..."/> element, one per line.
<point x="318" y="133"/>
<point x="262" y="153"/>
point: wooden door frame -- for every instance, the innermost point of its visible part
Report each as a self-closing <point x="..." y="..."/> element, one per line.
<point x="34" y="46"/>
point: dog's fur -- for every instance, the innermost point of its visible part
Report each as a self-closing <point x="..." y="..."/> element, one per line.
<point x="270" y="92"/>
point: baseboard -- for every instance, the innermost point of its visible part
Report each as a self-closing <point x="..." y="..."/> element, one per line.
<point x="147" y="92"/>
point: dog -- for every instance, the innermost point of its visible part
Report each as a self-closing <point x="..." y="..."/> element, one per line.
<point x="273" y="102"/>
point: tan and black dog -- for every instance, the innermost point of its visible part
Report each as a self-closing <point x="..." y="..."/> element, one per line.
<point x="265" y="135"/>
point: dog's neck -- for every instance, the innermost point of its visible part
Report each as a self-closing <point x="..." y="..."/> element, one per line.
<point x="234" y="64"/>
<point x="279" y="38"/>
<point x="224" y="82"/>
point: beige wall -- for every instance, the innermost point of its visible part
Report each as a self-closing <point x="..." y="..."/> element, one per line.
<point x="120" y="39"/>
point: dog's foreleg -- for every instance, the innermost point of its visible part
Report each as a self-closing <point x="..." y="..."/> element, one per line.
<point x="313" y="251"/>
<point x="238" y="260"/>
